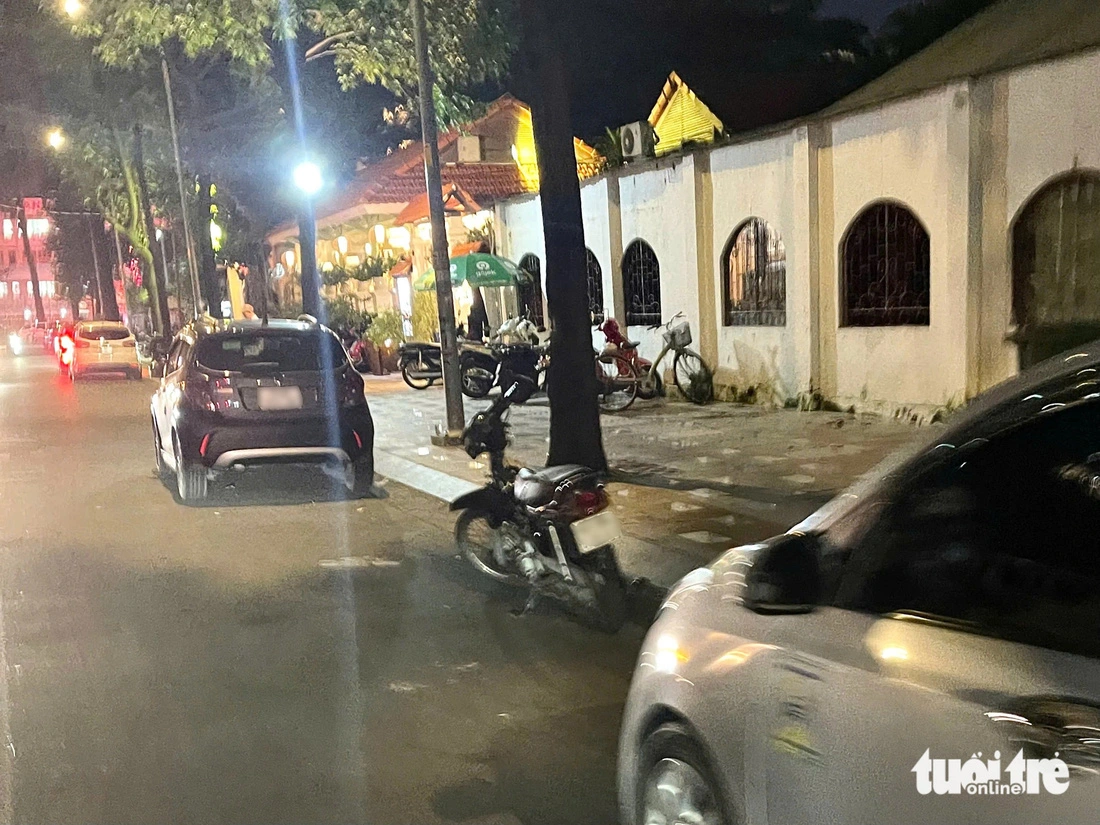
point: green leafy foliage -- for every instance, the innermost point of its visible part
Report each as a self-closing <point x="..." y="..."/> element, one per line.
<point x="341" y="313"/>
<point x="388" y="325"/>
<point x="371" y="41"/>
<point x="127" y="32"/>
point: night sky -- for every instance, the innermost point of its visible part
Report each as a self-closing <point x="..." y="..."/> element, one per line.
<point x="871" y="12"/>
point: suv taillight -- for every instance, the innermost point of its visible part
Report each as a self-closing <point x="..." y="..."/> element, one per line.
<point x="197" y="390"/>
<point x="351" y="389"/>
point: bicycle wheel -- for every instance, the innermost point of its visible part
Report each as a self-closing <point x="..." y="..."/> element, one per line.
<point x="617" y="382"/>
<point x="693" y="377"/>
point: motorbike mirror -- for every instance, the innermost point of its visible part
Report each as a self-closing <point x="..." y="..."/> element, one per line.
<point x="157" y="368"/>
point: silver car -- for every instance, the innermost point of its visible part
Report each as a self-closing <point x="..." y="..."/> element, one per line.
<point x="926" y="648"/>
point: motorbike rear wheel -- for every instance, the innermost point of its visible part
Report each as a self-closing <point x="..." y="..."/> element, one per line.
<point x="478" y="540"/>
<point x="415" y="383"/>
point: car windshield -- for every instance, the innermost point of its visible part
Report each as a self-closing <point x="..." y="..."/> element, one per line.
<point x="284" y="351"/>
<point x="107" y="333"/>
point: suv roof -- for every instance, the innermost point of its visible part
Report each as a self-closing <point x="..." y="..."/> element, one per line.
<point x="211" y="326"/>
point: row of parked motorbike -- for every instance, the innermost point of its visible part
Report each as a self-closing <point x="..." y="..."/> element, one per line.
<point x="511" y="354"/>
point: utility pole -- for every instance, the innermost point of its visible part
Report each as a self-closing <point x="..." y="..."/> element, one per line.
<point x="441" y="258"/>
<point x="192" y="263"/>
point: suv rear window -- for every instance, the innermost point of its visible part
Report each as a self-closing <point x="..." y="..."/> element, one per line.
<point x="283" y="351"/>
<point x="106" y="333"/>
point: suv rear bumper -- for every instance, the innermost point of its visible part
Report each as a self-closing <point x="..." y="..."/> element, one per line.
<point x="217" y="442"/>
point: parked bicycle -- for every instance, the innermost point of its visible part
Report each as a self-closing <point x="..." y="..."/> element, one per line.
<point x="621" y="380"/>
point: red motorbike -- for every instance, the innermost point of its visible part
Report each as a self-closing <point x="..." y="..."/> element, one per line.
<point x="621" y="345"/>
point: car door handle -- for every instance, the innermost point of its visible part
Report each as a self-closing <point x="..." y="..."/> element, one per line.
<point x="1045" y="726"/>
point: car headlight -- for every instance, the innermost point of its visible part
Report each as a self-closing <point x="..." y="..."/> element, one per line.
<point x="15" y="343"/>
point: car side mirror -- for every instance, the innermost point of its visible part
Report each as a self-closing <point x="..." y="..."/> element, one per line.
<point x="785" y="576"/>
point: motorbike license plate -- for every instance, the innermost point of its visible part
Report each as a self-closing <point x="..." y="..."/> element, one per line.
<point x="279" y="398"/>
<point x="596" y="531"/>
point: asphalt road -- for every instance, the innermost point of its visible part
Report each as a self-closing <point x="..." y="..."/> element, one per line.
<point x="279" y="655"/>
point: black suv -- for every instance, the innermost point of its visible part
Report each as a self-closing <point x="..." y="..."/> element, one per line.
<point x="235" y="393"/>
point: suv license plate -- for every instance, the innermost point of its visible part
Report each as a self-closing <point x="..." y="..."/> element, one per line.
<point x="596" y="531"/>
<point x="279" y="398"/>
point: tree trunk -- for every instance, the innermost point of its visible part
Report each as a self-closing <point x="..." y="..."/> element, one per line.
<point x="32" y="265"/>
<point x="208" y="267"/>
<point x="158" y="291"/>
<point x="108" y="304"/>
<point x="307" y="242"/>
<point x="575" y="436"/>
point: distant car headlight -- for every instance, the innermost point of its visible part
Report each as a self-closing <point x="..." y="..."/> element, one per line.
<point x="15" y="343"/>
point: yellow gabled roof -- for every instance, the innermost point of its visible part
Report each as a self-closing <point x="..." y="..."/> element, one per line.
<point x="690" y="118"/>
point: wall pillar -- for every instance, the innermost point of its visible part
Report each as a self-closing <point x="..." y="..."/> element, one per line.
<point x="615" y="238"/>
<point x="990" y="357"/>
<point x="704" y="256"/>
<point x="823" y="261"/>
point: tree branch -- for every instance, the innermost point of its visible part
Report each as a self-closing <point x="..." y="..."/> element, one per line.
<point x="319" y="49"/>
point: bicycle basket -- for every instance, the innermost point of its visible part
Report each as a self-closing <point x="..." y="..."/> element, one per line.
<point x="679" y="336"/>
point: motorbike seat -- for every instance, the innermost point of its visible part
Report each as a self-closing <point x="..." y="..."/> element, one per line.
<point x="536" y="487"/>
<point x="631" y="344"/>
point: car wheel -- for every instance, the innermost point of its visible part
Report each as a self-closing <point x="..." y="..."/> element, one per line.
<point x="158" y="455"/>
<point x="676" y="781"/>
<point x="362" y="472"/>
<point x="191" y="480"/>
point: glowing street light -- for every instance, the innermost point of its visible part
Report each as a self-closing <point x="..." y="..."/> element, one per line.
<point x="55" y="139"/>
<point x="72" y="8"/>
<point x="307" y="177"/>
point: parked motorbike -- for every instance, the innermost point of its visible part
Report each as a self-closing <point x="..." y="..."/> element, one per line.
<point x="488" y="366"/>
<point x="618" y="343"/>
<point x="548" y="530"/>
<point x="421" y="364"/>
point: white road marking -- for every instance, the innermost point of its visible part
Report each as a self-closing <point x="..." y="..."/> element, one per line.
<point x="7" y="753"/>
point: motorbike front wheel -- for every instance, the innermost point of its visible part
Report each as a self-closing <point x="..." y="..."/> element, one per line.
<point x="415" y="383"/>
<point x="480" y="542"/>
<point x="476" y="382"/>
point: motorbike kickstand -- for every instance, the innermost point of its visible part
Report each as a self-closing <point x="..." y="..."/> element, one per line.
<point x="532" y="602"/>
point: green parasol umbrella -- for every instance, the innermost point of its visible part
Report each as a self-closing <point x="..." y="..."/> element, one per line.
<point x="477" y="269"/>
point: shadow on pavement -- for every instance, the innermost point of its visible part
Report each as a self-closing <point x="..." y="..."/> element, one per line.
<point x="275" y="485"/>
<point x="543" y="772"/>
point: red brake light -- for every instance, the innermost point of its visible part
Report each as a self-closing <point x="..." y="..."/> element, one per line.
<point x="589" y="502"/>
<point x="204" y="445"/>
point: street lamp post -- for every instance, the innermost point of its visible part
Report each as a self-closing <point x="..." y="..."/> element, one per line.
<point x="308" y="179"/>
<point x="441" y="258"/>
<point x="192" y="261"/>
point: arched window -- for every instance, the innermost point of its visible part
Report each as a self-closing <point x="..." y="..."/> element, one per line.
<point x="1056" y="267"/>
<point x="595" y="284"/>
<point x="885" y="269"/>
<point x="531" y="294"/>
<point x="641" y="285"/>
<point x="754" y="275"/>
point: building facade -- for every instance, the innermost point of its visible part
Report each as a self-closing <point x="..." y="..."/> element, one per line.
<point x="16" y="295"/>
<point x="906" y="249"/>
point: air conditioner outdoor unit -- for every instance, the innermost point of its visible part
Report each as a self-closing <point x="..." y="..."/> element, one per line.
<point x="637" y="140"/>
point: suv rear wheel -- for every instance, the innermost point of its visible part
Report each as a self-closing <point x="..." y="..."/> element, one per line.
<point x="191" y="481"/>
<point x="362" y="476"/>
